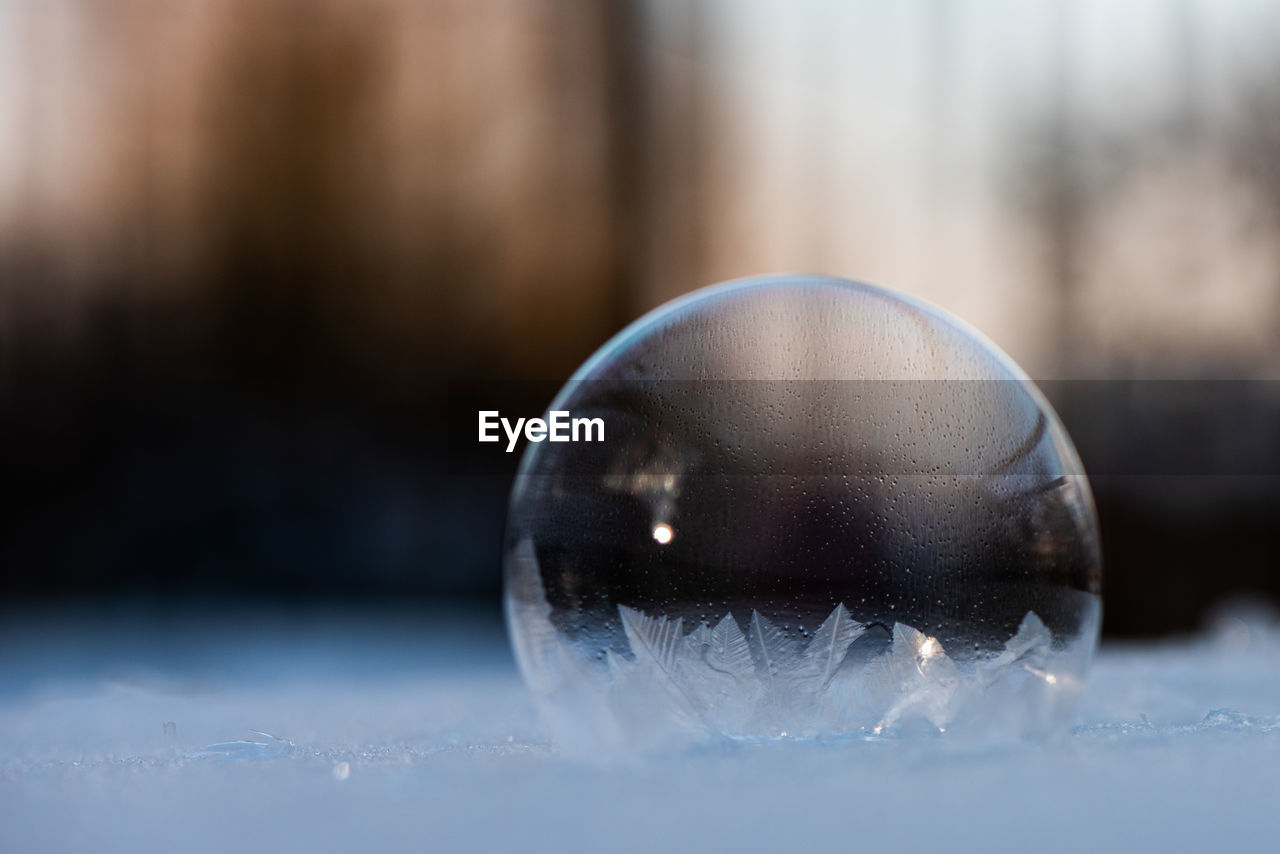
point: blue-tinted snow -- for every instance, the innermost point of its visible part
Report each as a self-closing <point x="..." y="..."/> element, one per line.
<point x="349" y="733"/>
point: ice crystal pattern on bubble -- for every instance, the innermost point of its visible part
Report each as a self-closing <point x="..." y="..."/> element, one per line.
<point x="762" y="680"/>
<point x="721" y="680"/>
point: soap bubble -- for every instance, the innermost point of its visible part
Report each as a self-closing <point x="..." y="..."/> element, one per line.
<point x="820" y="509"/>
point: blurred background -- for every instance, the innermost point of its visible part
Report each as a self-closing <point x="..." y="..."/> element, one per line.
<point x="256" y="255"/>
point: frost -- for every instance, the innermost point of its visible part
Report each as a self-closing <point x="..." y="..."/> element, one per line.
<point x="761" y="682"/>
<point x="829" y="646"/>
<point x="772" y="650"/>
<point x="1229" y="720"/>
<point x="1217" y="721"/>
<point x="917" y="677"/>
<point x="273" y="747"/>
<point x="653" y="639"/>
<point x="727" y="650"/>
<point x="723" y="681"/>
<point x="566" y="685"/>
<point x="1028" y="647"/>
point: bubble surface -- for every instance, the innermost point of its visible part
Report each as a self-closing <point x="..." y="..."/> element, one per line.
<point x="820" y="509"/>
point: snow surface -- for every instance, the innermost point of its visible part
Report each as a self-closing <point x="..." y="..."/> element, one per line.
<point x="123" y="732"/>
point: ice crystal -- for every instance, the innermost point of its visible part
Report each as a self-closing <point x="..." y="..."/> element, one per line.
<point x="721" y="681"/>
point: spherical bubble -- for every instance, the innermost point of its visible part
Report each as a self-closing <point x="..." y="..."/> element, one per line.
<point x="819" y="509"/>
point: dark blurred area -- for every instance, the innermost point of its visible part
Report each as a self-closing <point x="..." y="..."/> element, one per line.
<point x="256" y="255"/>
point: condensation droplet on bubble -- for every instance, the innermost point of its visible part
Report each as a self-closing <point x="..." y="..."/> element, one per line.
<point x="820" y="508"/>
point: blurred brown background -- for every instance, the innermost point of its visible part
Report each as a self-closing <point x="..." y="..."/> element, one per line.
<point x="255" y="253"/>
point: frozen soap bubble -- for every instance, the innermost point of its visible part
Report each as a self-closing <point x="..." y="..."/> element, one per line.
<point x="820" y="509"/>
